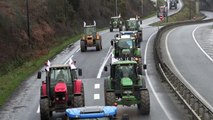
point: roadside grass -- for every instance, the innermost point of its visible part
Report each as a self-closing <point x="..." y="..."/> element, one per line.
<point x="10" y="81"/>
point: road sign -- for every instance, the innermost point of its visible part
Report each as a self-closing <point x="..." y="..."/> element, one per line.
<point x="161" y="18"/>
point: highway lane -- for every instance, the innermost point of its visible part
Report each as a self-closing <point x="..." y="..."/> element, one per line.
<point x="24" y="104"/>
<point x="188" y="51"/>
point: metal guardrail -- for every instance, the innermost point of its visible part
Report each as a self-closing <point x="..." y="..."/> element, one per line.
<point x="198" y="108"/>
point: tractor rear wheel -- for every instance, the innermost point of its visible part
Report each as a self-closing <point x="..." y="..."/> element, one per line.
<point x="44" y="109"/>
<point x="109" y="98"/>
<point x="98" y="45"/>
<point x="83" y="46"/>
<point x="78" y="101"/>
<point x="144" y="105"/>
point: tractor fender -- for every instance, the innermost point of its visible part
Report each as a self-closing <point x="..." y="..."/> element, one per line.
<point x="141" y="81"/>
<point x="43" y="89"/>
<point x="77" y="86"/>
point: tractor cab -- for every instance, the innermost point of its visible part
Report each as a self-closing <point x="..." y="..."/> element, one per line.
<point x="132" y="24"/>
<point x="90" y="30"/>
<point x="124" y="70"/>
<point x="125" y="46"/>
<point x="115" y="23"/>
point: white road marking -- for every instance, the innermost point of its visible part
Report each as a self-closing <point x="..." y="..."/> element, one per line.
<point x="104" y="62"/>
<point x="38" y="110"/>
<point x="97" y="86"/>
<point x="181" y="76"/>
<point x="193" y="35"/>
<point x="150" y="84"/>
<point x="96" y="96"/>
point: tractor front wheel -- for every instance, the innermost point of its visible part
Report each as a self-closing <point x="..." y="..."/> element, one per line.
<point x="78" y="101"/>
<point x="83" y="46"/>
<point x="144" y="105"/>
<point x="109" y="98"/>
<point x="44" y="109"/>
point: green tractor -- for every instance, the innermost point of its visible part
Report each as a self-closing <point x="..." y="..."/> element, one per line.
<point x="116" y="23"/>
<point x="91" y="38"/>
<point x="126" y="48"/>
<point x="126" y="87"/>
<point x="133" y="24"/>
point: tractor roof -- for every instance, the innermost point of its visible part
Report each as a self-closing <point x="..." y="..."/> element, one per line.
<point x="115" y="17"/>
<point x="120" y="62"/>
<point x="61" y="66"/>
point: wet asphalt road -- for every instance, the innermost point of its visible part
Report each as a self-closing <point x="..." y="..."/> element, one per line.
<point x="24" y="103"/>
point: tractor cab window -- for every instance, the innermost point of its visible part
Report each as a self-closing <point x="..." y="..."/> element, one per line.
<point x="125" y="43"/>
<point x="60" y="74"/>
<point x="126" y="70"/>
<point x="132" y="24"/>
<point x="89" y="30"/>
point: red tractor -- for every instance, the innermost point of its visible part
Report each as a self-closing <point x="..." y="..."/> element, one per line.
<point x="60" y="90"/>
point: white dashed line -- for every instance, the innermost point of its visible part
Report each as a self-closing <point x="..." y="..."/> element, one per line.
<point x="96" y="96"/>
<point x="97" y="86"/>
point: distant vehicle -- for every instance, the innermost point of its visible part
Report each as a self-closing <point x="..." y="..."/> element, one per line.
<point x="134" y="24"/>
<point x="173" y="4"/>
<point x="60" y="90"/>
<point x="92" y="113"/>
<point x="162" y="11"/>
<point x="116" y="23"/>
<point x="91" y="38"/>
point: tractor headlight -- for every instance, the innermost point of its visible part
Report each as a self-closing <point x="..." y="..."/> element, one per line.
<point x="56" y="98"/>
<point x="63" y="98"/>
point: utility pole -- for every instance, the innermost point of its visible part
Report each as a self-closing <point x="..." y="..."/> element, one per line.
<point x="142" y="8"/>
<point x="116" y="7"/>
<point x="28" y="24"/>
<point x="65" y="11"/>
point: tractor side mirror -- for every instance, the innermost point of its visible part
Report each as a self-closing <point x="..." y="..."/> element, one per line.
<point x="111" y="42"/>
<point x="39" y="75"/>
<point x="80" y="72"/>
<point x="105" y="68"/>
<point x="144" y="66"/>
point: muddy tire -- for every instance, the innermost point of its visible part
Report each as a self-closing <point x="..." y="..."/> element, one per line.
<point x="109" y="98"/>
<point x="144" y="105"/>
<point x="78" y="101"/>
<point x="98" y="45"/>
<point x="44" y="109"/>
<point x="83" y="46"/>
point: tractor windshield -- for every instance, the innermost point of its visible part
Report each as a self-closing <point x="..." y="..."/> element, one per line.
<point x="125" y="43"/>
<point x="132" y="24"/>
<point x="61" y="74"/>
<point x="126" y="70"/>
<point x="89" y="30"/>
